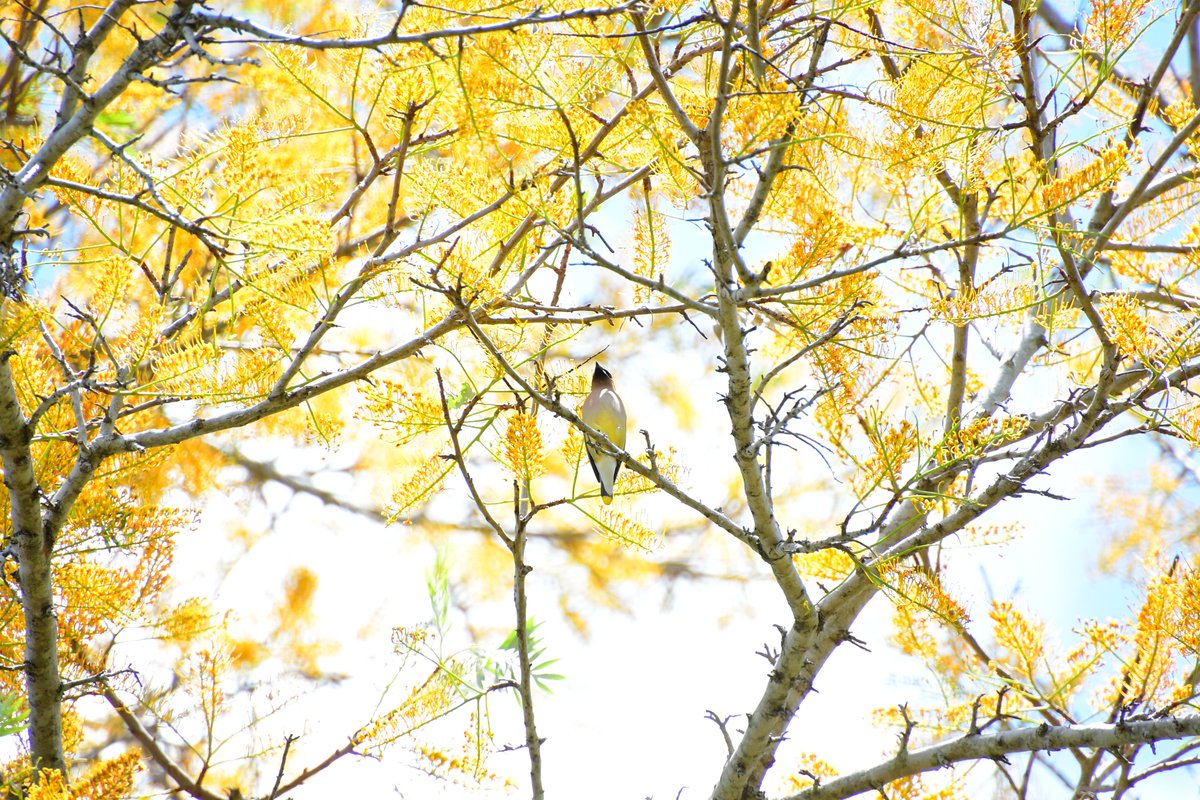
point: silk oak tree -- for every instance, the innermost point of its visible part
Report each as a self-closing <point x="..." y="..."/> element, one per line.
<point x="878" y="268"/>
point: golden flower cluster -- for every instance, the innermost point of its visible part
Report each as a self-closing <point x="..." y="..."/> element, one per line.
<point x="651" y="247"/>
<point x="1021" y="638"/>
<point x="915" y="586"/>
<point x="1154" y="339"/>
<point x="893" y="445"/>
<point x="405" y="414"/>
<point x="630" y="482"/>
<point x="630" y="529"/>
<point x="980" y="435"/>
<point x="809" y="770"/>
<point x="187" y="620"/>
<point x="521" y="449"/>
<point x="418" y="488"/>
<point x="107" y="779"/>
<point x="994" y="300"/>
<point x="830" y="564"/>
<point x="1100" y="174"/>
<point x="425" y="703"/>
<point x="1112" y="23"/>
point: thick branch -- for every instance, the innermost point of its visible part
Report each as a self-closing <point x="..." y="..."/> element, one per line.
<point x="79" y="123"/>
<point x="393" y="37"/>
<point x="43" y="684"/>
<point x="156" y="753"/>
<point x="202" y="426"/>
<point x="802" y="656"/>
<point x="995" y="746"/>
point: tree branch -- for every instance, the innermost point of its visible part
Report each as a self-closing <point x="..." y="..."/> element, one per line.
<point x="43" y="683"/>
<point x="393" y="36"/>
<point x="995" y="746"/>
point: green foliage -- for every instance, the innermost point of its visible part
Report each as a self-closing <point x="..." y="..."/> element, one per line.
<point x="539" y="664"/>
<point x="14" y="714"/>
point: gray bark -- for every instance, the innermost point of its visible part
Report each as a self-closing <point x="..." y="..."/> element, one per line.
<point x="996" y="746"/>
<point x="31" y="546"/>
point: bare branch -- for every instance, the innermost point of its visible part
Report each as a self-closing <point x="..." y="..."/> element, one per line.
<point x="265" y="35"/>
<point x="152" y="748"/>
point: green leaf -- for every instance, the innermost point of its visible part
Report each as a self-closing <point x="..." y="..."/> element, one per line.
<point x="437" y="583"/>
<point x="13" y="714"/>
<point x="117" y="119"/>
<point x="464" y="395"/>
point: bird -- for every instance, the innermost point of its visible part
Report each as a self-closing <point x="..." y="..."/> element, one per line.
<point x="603" y="411"/>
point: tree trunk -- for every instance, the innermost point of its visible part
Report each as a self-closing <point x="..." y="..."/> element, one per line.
<point x="32" y="549"/>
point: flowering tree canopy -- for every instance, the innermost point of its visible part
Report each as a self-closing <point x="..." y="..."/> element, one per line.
<point x="862" y="271"/>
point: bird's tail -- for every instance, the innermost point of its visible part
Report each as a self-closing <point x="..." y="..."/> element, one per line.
<point x="608" y="499"/>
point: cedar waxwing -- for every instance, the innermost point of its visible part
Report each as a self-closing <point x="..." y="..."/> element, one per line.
<point x="604" y="411"/>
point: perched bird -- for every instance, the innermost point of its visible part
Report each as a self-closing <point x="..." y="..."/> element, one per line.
<point x="604" y="411"/>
